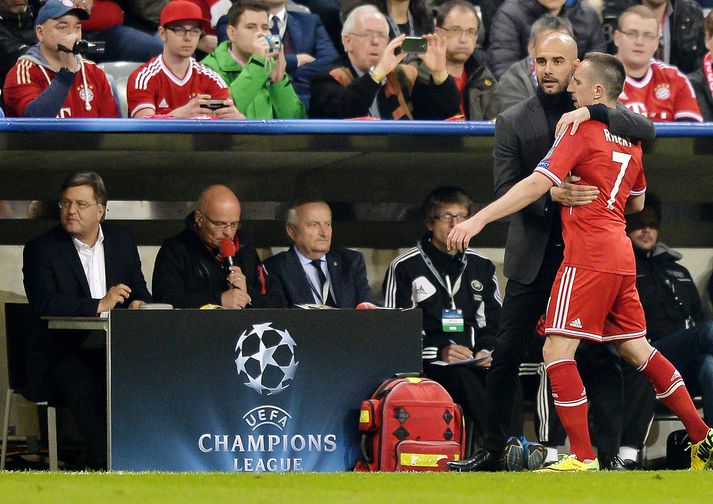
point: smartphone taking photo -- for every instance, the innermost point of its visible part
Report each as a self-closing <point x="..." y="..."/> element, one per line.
<point x="415" y="45"/>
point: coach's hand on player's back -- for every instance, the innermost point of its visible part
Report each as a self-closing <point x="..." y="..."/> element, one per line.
<point x="571" y="194"/>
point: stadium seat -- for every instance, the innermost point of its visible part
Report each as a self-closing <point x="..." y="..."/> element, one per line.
<point x="18" y="318"/>
<point x="119" y="71"/>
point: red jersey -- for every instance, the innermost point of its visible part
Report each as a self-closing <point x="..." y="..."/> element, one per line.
<point x="595" y="234"/>
<point x="155" y="87"/>
<point x="664" y="94"/>
<point x="90" y="95"/>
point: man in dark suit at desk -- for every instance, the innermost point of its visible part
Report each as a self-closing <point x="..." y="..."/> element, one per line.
<point x="534" y="246"/>
<point x="81" y="268"/>
<point x="312" y="271"/>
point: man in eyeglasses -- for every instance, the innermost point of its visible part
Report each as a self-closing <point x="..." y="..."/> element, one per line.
<point x="174" y="84"/>
<point x="652" y="88"/>
<point x="480" y="97"/>
<point x="191" y="271"/>
<point x="460" y="300"/>
<point x="82" y="268"/>
<point x="370" y="81"/>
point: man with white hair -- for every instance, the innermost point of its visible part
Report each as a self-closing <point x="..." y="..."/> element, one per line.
<point x="370" y="81"/>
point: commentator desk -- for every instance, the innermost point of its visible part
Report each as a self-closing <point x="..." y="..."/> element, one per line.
<point x="187" y="390"/>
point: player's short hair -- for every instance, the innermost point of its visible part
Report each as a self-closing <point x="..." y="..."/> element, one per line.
<point x="91" y="179"/>
<point x="608" y="70"/>
<point x="348" y="26"/>
<point x="549" y="22"/>
<point x="445" y="195"/>
<point x="447" y="7"/>
<point x="238" y="9"/>
<point x="291" y="216"/>
<point x="708" y="23"/>
<point x="640" y="10"/>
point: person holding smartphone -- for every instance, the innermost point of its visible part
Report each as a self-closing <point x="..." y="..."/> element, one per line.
<point x="254" y="66"/>
<point x="174" y="84"/>
<point x="370" y="81"/>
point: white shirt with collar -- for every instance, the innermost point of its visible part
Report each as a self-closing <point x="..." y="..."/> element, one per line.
<point x="94" y="265"/>
<point x="313" y="277"/>
<point x="282" y="16"/>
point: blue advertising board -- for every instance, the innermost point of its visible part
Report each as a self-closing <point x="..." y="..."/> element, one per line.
<point x="252" y="390"/>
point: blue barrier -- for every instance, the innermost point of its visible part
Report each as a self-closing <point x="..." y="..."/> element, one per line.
<point x="296" y="127"/>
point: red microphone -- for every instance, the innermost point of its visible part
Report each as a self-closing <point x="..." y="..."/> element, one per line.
<point x="227" y="250"/>
<point x="365" y="305"/>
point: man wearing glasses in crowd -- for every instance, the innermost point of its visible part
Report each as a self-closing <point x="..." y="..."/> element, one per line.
<point x="370" y="81"/>
<point x="480" y="97"/>
<point x="193" y="268"/>
<point x="82" y="268"/>
<point x="652" y="88"/>
<point x="174" y="84"/>
<point x="460" y="301"/>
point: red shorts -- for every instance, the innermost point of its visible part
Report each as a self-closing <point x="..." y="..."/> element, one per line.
<point x="597" y="306"/>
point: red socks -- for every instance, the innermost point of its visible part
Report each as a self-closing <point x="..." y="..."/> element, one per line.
<point x="571" y="405"/>
<point x="671" y="390"/>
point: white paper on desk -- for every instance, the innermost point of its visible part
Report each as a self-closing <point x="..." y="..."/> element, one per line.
<point x="464" y="362"/>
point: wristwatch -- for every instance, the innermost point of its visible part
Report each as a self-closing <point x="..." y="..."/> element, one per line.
<point x="377" y="78"/>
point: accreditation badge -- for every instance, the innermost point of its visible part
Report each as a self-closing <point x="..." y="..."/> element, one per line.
<point x="452" y="320"/>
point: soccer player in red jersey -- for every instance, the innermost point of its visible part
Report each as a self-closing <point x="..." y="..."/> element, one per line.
<point x="174" y="84"/>
<point x="652" y="88"/>
<point x="49" y="80"/>
<point x="594" y="296"/>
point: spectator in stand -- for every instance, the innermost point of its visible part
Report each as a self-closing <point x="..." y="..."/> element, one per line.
<point x="308" y="49"/>
<point x="680" y="29"/>
<point x="49" y="80"/>
<point x="123" y="43"/>
<point x="676" y="327"/>
<point x="259" y="85"/>
<point x="509" y="34"/>
<point x="312" y="271"/>
<point x="480" y="98"/>
<point x="519" y="82"/>
<point x="652" y="88"/>
<point x="370" y="81"/>
<point x="190" y="270"/>
<point x="329" y="12"/>
<point x="410" y="17"/>
<point x="174" y="84"/>
<point x="17" y="33"/>
<point x="702" y="79"/>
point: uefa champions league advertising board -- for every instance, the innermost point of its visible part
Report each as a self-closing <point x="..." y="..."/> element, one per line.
<point x="249" y="390"/>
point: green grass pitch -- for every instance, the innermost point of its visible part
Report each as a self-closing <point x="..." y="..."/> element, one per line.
<point x="325" y="488"/>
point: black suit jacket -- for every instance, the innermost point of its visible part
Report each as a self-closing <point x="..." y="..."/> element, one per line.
<point x="347" y="274"/>
<point x="522" y="139"/>
<point x="55" y="284"/>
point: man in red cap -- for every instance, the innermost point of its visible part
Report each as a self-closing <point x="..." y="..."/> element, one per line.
<point x="174" y="84"/>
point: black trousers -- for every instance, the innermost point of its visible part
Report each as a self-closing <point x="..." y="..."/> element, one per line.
<point x="523" y="305"/>
<point x="466" y="385"/>
<point x="78" y="380"/>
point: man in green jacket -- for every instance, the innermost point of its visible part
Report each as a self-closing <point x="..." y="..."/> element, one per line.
<point x="259" y="85"/>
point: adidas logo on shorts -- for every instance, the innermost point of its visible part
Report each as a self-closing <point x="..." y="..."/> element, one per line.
<point x="576" y="323"/>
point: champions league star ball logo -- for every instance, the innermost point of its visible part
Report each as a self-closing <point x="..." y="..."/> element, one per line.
<point x="266" y="359"/>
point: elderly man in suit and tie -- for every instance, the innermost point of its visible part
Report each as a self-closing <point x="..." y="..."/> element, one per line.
<point x="81" y="268"/>
<point x="312" y="271"/>
<point x="534" y="246"/>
